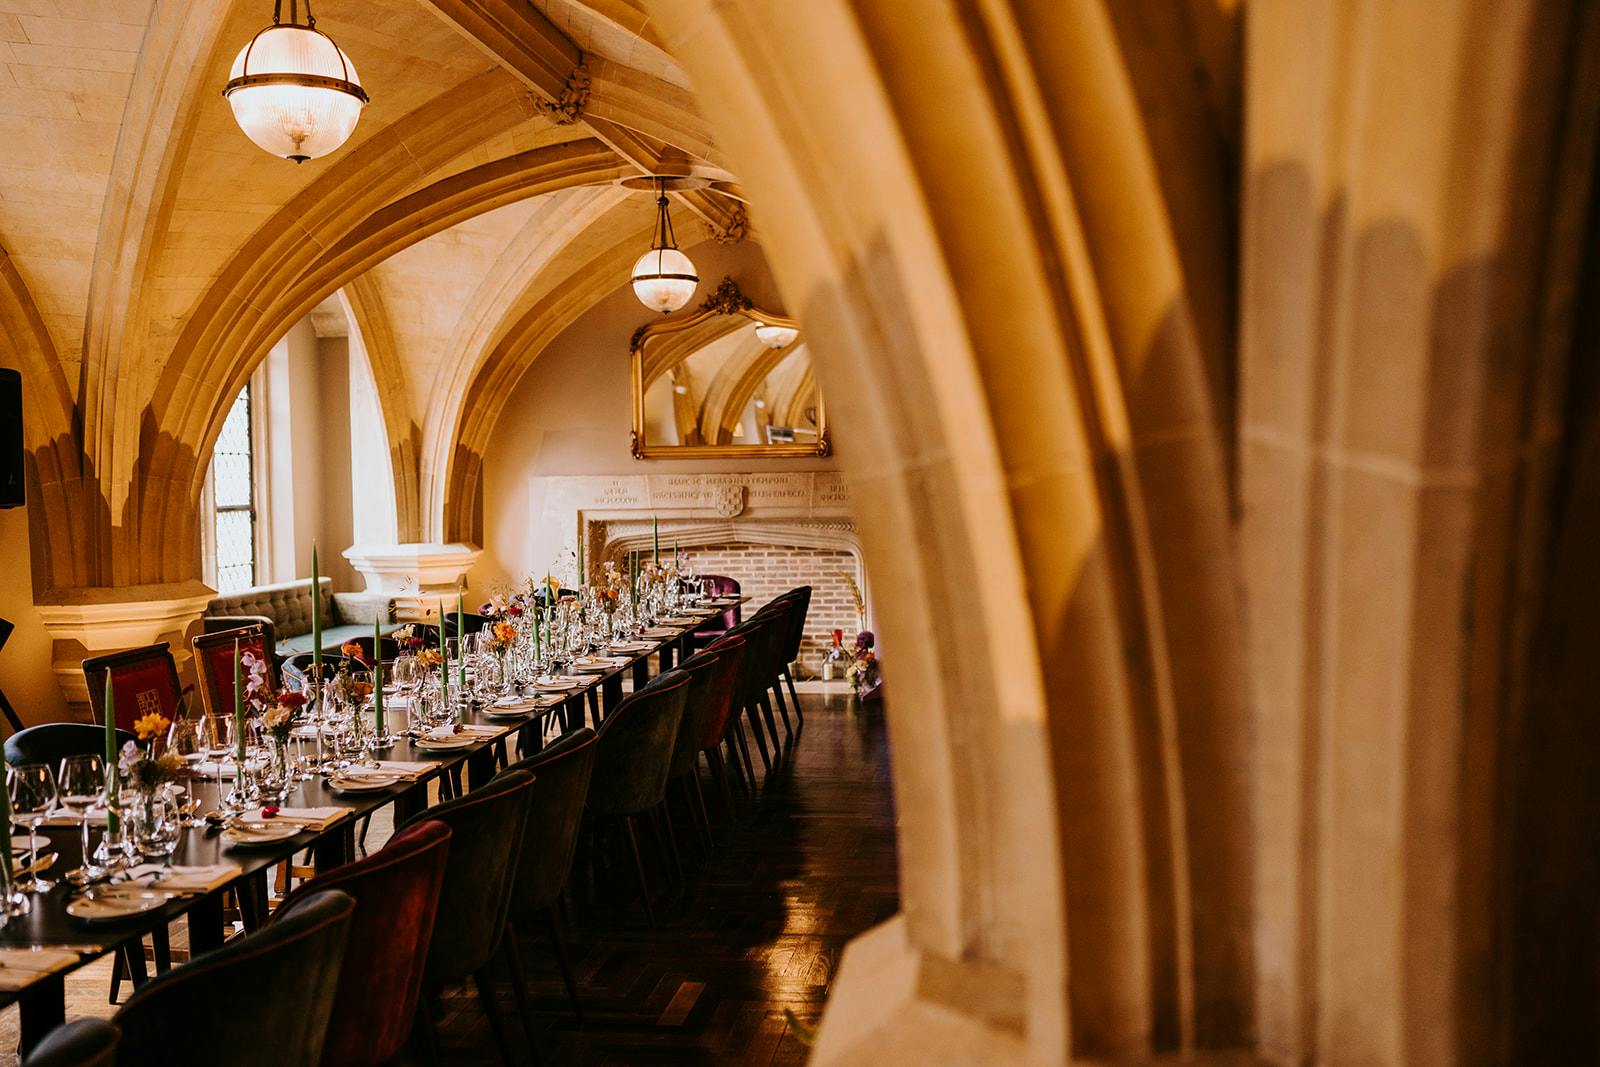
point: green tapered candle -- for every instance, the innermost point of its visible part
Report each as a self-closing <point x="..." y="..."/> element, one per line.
<point x="238" y="715"/>
<point x="655" y="537"/>
<point x="461" y="634"/>
<point x="316" y="616"/>
<point x="444" y="660"/>
<point x="582" y="578"/>
<point x="377" y="678"/>
<point x="111" y="759"/>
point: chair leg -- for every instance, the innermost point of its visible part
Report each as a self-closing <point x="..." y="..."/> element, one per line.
<point x="783" y="707"/>
<point x="519" y="986"/>
<point x="662" y="815"/>
<point x="486" y="995"/>
<point x="361" y="834"/>
<point x="799" y="716"/>
<point x="747" y="768"/>
<point x="719" y="771"/>
<point x="772" y="723"/>
<point x="638" y="868"/>
<point x="697" y="802"/>
<point x="761" y="742"/>
<point x="559" y="943"/>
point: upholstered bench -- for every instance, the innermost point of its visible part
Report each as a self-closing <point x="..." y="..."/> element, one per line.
<point x="285" y="609"/>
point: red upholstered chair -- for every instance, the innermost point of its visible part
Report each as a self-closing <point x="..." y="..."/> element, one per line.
<point x="397" y="895"/>
<point x="715" y="717"/>
<point x="142" y="680"/>
<point x="213" y="663"/>
<point x="719" y="585"/>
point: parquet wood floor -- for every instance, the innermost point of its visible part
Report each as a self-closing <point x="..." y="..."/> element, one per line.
<point x="755" y="933"/>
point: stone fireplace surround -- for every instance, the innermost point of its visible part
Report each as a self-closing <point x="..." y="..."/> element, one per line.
<point x="803" y="517"/>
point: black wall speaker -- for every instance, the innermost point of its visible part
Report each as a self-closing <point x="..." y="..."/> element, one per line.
<point x="10" y="439"/>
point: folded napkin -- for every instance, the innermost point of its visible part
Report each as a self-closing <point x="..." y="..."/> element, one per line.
<point x="481" y="731"/>
<point x="97" y="817"/>
<point x="681" y="620"/>
<point x="185" y="879"/>
<point x="632" y="646"/>
<point x="310" y="818"/>
<point x="225" y="769"/>
<point x="21" y="967"/>
<point x="406" y="769"/>
<point x="662" y="631"/>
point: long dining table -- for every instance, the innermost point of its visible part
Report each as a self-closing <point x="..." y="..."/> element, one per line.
<point x="48" y="927"/>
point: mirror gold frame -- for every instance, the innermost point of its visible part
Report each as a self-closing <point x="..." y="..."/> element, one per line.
<point x="726" y="300"/>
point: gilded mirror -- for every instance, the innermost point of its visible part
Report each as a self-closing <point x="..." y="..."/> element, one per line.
<point x="729" y="380"/>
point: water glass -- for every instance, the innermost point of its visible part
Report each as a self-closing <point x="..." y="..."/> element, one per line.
<point x="81" y="783"/>
<point x="33" y="798"/>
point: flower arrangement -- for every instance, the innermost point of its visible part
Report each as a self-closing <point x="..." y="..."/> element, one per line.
<point x="501" y="634"/>
<point x="351" y="650"/>
<point x="429" y="658"/>
<point x="138" y="763"/>
<point x="408" y="637"/>
<point x="279" y="717"/>
<point x="863" y="671"/>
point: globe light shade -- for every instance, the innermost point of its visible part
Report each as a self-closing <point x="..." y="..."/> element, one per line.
<point x="664" y="279"/>
<point x="776" y="336"/>
<point x="294" y="92"/>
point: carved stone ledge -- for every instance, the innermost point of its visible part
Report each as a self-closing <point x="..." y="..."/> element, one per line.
<point x="89" y="622"/>
<point x="415" y="574"/>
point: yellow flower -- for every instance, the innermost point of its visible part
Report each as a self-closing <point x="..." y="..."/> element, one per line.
<point x="152" y="726"/>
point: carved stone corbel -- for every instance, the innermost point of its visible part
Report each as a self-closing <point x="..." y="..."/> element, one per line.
<point x="568" y="108"/>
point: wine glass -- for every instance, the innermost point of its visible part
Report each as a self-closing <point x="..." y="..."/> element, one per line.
<point x="212" y="739"/>
<point x="33" y="797"/>
<point x="82" y="785"/>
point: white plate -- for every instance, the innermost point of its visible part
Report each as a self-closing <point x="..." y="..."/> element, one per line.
<point x="560" y="684"/>
<point x="434" y="744"/>
<point x="107" y="903"/>
<point x="364" y="783"/>
<point x="256" y="834"/>
<point x="633" y="646"/>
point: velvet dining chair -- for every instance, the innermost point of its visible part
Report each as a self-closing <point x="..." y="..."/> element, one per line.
<point x="486" y="833"/>
<point x="261" y="1000"/>
<point x="396" y="891"/>
<point x="561" y="776"/>
<point x="709" y="712"/>
<point x="684" y="768"/>
<point x="80" y="1043"/>
<point x="632" y="761"/>
<point x="143" y="680"/>
<point x="52" y="742"/>
<point x="213" y="658"/>
<point x="796" y="604"/>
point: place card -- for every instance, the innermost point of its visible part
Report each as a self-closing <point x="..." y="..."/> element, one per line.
<point x="21" y="967"/>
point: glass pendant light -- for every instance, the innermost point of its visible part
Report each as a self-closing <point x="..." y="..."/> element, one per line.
<point x="664" y="279"/>
<point x="292" y="90"/>
<point x="776" y="336"/>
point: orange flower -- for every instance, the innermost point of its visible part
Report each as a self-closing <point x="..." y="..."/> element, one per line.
<point x="504" y="632"/>
<point x="152" y="726"/>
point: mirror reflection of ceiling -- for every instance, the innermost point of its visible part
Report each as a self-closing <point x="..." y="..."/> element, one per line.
<point x="725" y="386"/>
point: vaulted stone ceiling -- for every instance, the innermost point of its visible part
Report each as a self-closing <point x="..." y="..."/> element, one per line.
<point x="153" y="255"/>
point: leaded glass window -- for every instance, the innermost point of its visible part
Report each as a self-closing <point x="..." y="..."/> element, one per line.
<point x="233" y="489"/>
